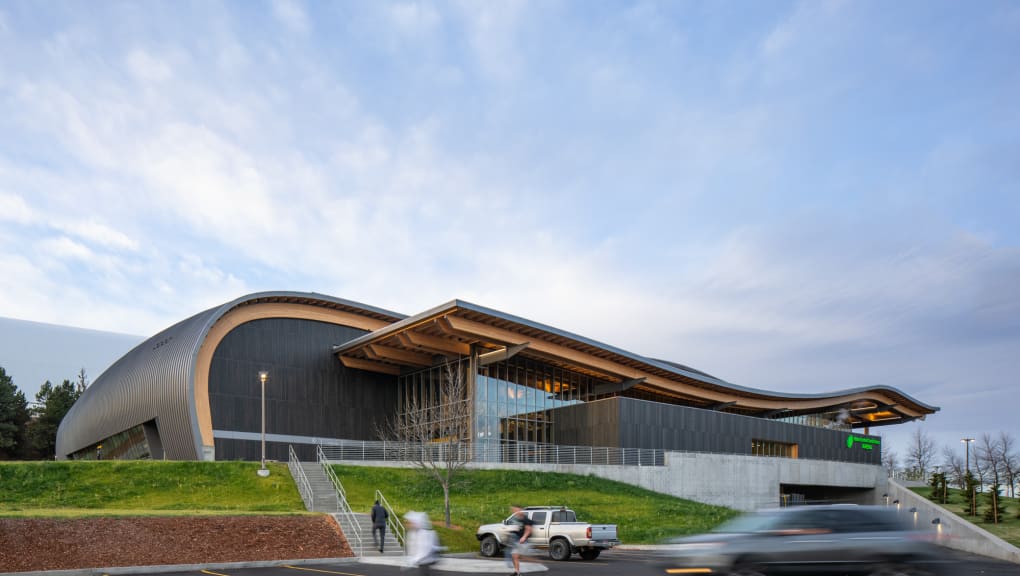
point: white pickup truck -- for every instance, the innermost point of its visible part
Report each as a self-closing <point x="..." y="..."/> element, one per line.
<point x="555" y="528"/>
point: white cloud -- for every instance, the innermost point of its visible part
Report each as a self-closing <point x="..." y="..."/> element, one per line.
<point x="13" y="208"/>
<point x="64" y="248"/>
<point x="414" y="18"/>
<point x="493" y="29"/>
<point x="148" y="68"/>
<point x="100" y="234"/>
<point x="292" y="15"/>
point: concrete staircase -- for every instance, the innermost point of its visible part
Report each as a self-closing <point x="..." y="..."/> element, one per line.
<point x="359" y="533"/>
<point x="391" y="547"/>
<point x="324" y="496"/>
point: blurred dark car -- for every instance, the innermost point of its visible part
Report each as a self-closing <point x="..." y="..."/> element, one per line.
<point x="831" y="539"/>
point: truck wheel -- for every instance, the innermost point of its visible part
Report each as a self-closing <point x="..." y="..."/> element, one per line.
<point x="590" y="553"/>
<point x="559" y="549"/>
<point x="489" y="546"/>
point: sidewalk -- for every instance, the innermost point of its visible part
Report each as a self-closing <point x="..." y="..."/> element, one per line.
<point x="452" y="563"/>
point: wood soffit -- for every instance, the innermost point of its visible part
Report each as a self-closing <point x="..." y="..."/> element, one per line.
<point x="452" y="333"/>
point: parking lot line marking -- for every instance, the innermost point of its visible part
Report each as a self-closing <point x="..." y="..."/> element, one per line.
<point x="323" y="571"/>
<point x="212" y="573"/>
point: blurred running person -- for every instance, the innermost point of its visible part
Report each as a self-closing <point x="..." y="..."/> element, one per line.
<point x="520" y="531"/>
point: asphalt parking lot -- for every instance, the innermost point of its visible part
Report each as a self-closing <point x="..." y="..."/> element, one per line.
<point x="620" y="561"/>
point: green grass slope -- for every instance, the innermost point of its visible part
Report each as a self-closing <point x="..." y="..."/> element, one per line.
<point x="143" y="488"/>
<point x="483" y="496"/>
<point x="1008" y="527"/>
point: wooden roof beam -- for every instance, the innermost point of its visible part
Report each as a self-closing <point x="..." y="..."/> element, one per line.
<point x="380" y="352"/>
<point x="362" y="364"/>
<point x="433" y="344"/>
<point x="499" y="355"/>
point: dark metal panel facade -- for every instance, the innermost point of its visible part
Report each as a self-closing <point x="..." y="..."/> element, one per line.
<point x="154" y="382"/>
<point x="308" y="393"/>
<point x="630" y="423"/>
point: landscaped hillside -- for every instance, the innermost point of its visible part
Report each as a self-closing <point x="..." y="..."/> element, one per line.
<point x="154" y="488"/>
<point x="1008" y="527"/>
<point x="483" y="496"/>
<point x="144" y="488"/>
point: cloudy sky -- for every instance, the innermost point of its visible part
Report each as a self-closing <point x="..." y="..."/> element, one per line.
<point x="794" y="196"/>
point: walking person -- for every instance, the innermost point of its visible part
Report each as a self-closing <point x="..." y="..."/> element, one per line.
<point x="520" y="531"/>
<point x="379" y="516"/>
<point x="422" y="543"/>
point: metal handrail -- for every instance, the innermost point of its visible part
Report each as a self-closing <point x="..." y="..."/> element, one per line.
<point x="512" y="452"/>
<point x="298" y="473"/>
<point x="392" y="522"/>
<point x="343" y="507"/>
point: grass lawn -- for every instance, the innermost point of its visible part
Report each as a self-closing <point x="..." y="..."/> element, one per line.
<point x="1008" y="527"/>
<point x="483" y="496"/>
<point x="131" y="488"/>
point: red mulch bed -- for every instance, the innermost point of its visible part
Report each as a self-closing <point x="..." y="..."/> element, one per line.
<point x="28" y="544"/>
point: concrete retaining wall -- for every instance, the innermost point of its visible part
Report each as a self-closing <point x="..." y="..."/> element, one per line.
<point x="740" y="482"/>
<point x="953" y="531"/>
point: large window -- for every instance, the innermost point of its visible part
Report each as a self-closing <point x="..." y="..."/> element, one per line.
<point x="770" y="448"/>
<point x="515" y="400"/>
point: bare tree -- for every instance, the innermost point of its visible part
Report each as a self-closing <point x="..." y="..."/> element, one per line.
<point x="952" y="465"/>
<point x="988" y="459"/>
<point x="890" y="461"/>
<point x="433" y="433"/>
<point x="83" y="381"/>
<point x="921" y="452"/>
<point x="1010" y="461"/>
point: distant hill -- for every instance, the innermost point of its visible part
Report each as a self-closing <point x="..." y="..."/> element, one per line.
<point x="34" y="352"/>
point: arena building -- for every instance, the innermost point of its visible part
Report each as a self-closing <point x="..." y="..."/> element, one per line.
<point x="336" y="370"/>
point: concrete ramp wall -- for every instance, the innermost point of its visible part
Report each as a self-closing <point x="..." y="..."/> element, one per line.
<point x="953" y="531"/>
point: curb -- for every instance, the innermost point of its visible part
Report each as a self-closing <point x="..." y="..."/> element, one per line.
<point x="163" y="568"/>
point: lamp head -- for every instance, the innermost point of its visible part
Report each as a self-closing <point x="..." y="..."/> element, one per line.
<point x="263" y="376"/>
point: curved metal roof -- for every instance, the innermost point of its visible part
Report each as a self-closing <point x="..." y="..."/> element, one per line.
<point x="156" y="380"/>
<point x="464" y="322"/>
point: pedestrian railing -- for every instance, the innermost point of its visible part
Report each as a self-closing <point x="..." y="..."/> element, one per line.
<point x="393" y="523"/>
<point x="343" y="507"/>
<point x="298" y="473"/>
<point x="481" y="452"/>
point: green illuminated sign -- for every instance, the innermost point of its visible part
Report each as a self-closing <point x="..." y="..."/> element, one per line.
<point x="866" y="443"/>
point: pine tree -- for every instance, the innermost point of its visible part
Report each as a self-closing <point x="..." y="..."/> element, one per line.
<point x="53" y="403"/>
<point x="13" y="418"/>
<point x="938" y="488"/>
<point x="996" y="510"/>
<point x="970" y="490"/>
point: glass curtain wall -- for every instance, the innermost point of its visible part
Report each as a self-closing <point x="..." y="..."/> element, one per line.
<point x="516" y="402"/>
<point x="433" y="404"/>
<point x="513" y="403"/>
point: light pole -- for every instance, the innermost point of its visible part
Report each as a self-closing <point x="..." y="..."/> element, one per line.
<point x="966" y="442"/>
<point x="263" y="376"/>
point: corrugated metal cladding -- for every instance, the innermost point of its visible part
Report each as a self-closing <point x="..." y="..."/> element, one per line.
<point x="309" y="392"/>
<point x="630" y="423"/>
<point x="150" y="382"/>
<point x="154" y="381"/>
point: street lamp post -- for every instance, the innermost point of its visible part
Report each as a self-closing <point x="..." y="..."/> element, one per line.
<point x="966" y="442"/>
<point x="263" y="376"/>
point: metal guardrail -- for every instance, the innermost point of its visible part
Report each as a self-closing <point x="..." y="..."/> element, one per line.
<point x="343" y="507"/>
<point x="392" y="522"/>
<point x="513" y="452"/>
<point x="298" y="473"/>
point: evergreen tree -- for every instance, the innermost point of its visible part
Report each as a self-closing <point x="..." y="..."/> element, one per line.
<point x="13" y="418"/>
<point x="970" y="492"/>
<point x="53" y="403"/>
<point x="996" y="510"/>
<point x="938" y="487"/>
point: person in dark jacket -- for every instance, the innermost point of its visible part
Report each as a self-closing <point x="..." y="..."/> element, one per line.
<point x="379" y="517"/>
